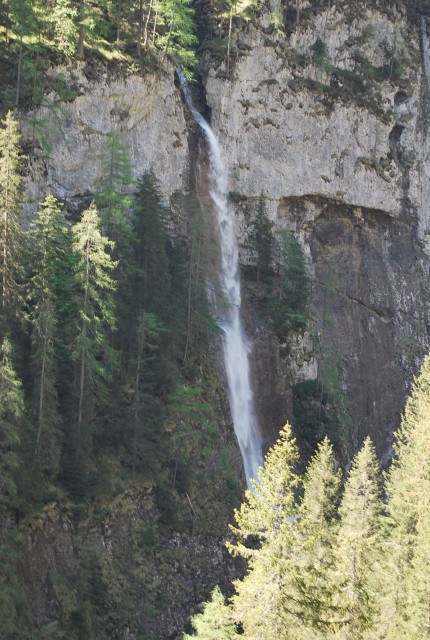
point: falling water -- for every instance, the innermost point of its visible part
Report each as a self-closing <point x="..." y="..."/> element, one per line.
<point x="235" y="344"/>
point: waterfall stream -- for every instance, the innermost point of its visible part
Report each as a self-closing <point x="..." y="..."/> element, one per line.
<point x="227" y="298"/>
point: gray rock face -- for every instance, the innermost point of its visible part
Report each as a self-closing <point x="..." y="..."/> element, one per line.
<point x="348" y="175"/>
<point x="338" y="143"/>
<point x="147" y="111"/>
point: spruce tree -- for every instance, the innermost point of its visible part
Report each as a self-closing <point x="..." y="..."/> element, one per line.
<point x="96" y="315"/>
<point x="272" y="500"/>
<point x="49" y="260"/>
<point x="406" y="611"/>
<point x="358" y="547"/>
<point x="263" y="531"/>
<point x="308" y="583"/>
<point x="112" y="203"/>
<point x="11" y="246"/>
<point x="215" y="622"/>
<point x="11" y="423"/>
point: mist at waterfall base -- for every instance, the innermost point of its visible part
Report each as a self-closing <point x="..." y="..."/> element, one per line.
<point x="235" y="344"/>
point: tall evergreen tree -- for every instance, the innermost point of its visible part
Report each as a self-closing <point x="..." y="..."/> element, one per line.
<point x="289" y="291"/>
<point x="263" y="531"/>
<point x="406" y="606"/>
<point x="49" y="253"/>
<point x="308" y="582"/>
<point x="11" y="246"/>
<point x="11" y="422"/>
<point x="111" y="201"/>
<point x="96" y="317"/>
<point x="263" y="239"/>
<point x="63" y="16"/>
<point x="358" y="546"/>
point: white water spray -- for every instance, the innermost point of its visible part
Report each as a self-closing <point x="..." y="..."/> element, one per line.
<point x="235" y="343"/>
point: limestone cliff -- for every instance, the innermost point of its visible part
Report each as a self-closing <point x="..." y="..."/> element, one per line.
<point x="330" y="123"/>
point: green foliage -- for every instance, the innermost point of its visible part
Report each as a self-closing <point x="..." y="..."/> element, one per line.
<point x="95" y="319"/>
<point x="316" y="415"/>
<point x="63" y="19"/>
<point x="338" y="562"/>
<point x="11" y="246"/>
<point x="289" y="291"/>
<point x="263" y="240"/>
<point x="407" y="488"/>
<point x="11" y="424"/>
<point x="116" y="176"/>
<point x="49" y="263"/>
<point x="214" y="623"/>
<point x="281" y="270"/>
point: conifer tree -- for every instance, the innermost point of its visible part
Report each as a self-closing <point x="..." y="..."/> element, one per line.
<point x="272" y="501"/>
<point x="152" y="277"/>
<point x="358" y="546"/>
<point x="111" y="201"/>
<point x="263" y="531"/>
<point x="63" y="19"/>
<point x="406" y="606"/>
<point x="263" y="239"/>
<point x="289" y="291"/>
<point x="10" y="218"/>
<point x="96" y="317"/>
<point x="308" y="582"/>
<point x="215" y="622"/>
<point x="49" y="260"/>
<point x="11" y="418"/>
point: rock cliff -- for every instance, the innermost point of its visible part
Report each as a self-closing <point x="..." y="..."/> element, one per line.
<point x="330" y="123"/>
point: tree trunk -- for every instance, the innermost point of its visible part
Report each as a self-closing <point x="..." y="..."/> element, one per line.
<point x="42" y="390"/>
<point x="18" y="80"/>
<point x="81" y="29"/>
<point x="140" y="30"/>
<point x="230" y="24"/>
<point x="145" y="31"/>
<point x="140" y="342"/>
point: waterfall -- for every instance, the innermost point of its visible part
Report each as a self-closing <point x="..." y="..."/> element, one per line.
<point x="235" y="344"/>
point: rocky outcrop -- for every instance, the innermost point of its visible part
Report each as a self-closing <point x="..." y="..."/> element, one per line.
<point x="337" y="143"/>
<point x="146" y="110"/>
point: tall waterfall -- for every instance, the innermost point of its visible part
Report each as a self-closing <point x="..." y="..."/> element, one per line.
<point x="235" y="344"/>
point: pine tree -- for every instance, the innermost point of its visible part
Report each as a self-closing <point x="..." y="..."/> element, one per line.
<point x="11" y="246"/>
<point x="112" y="203"/>
<point x="96" y="318"/>
<point x="215" y="622"/>
<point x="406" y="611"/>
<point x="11" y="420"/>
<point x="308" y="585"/>
<point x="63" y="19"/>
<point x="358" y="546"/>
<point x="263" y="239"/>
<point x="263" y="531"/>
<point x="49" y="260"/>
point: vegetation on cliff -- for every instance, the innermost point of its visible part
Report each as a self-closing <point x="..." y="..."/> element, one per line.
<point x="106" y="383"/>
